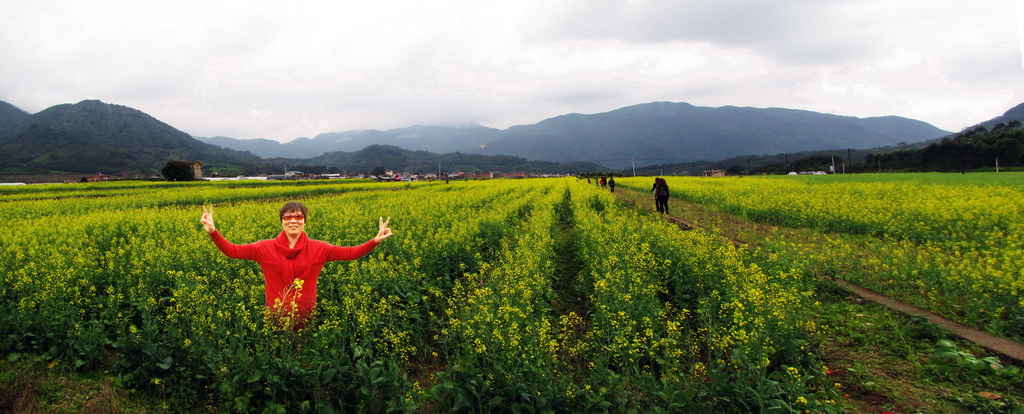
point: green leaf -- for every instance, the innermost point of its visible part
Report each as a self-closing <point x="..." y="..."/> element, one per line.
<point x="328" y="375"/>
<point x="242" y="403"/>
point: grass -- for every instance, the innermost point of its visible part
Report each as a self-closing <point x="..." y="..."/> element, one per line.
<point x="885" y="361"/>
<point x="1010" y="179"/>
<point x="29" y="384"/>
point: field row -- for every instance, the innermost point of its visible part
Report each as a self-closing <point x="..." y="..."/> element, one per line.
<point x="529" y="294"/>
<point x="947" y="243"/>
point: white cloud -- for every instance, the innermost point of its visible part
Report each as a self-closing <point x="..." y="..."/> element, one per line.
<point x="1019" y="5"/>
<point x="284" y="70"/>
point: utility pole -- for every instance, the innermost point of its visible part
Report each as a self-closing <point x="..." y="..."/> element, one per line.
<point x="633" y="161"/>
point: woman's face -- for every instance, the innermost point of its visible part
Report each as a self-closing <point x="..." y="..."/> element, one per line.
<point x="294" y="223"/>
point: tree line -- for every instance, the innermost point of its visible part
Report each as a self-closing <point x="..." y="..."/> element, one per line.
<point x="972" y="149"/>
<point x="977" y="148"/>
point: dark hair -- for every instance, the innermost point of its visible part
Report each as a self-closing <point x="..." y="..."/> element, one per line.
<point x="293" y="206"/>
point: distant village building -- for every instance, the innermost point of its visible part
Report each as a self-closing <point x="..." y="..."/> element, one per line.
<point x="197" y="169"/>
<point x="97" y="178"/>
<point x="183" y="170"/>
<point x="713" y="173"/>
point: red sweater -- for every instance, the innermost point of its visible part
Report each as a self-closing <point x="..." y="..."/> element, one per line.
<point x="284" y="267"/>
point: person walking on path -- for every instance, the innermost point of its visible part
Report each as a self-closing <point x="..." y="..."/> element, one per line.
<point x="611" y="183"/>
<point x="291" y="262"/>
<point x="661" y="195"/>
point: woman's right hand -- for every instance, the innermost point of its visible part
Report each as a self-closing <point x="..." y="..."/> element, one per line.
<point x="207" y="220"/>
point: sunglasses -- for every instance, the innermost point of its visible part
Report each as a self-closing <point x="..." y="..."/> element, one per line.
<point x="297" y="217"/>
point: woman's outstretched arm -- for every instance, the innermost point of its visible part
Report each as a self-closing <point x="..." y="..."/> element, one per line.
<point x="234" y="251"/>
<point x="355" y="252"/>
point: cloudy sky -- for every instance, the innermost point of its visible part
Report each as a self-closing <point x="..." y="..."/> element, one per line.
<point x="281" y="70"/>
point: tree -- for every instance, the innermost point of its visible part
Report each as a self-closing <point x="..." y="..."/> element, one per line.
<point x="815" y="163"/>
<point x="177" y="171"/>
<point x="773" y="168"/>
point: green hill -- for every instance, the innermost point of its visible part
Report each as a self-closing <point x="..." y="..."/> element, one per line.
<point x="92" y="136"/>
<point x="392" y="157"/>
<point x="665" y="132"/>
<point x="10" y="118"/>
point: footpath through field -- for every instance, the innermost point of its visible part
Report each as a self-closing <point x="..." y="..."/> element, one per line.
<point x="734" y="229"/>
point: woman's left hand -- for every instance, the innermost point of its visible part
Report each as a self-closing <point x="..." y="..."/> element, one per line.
<point x="207" y="220"/>
<point x="384" y="232"/>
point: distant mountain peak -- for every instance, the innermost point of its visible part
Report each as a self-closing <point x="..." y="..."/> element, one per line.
<point x="10" y="117"/>
<point x="663" y="132"/>
<point x="649" y="133"/>
<point x="92" y="136"/>
<point x="1013" y="114"/>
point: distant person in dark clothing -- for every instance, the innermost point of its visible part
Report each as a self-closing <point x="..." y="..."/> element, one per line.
<point x="654" y="190"/>
<point x="661" y="194"/>
<point x="611" y="183"/>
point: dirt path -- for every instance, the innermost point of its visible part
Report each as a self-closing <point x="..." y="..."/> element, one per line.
<point x="986" y="340"/>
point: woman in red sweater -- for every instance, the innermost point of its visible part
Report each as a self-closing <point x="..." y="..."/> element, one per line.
<point x="291" y="262"/>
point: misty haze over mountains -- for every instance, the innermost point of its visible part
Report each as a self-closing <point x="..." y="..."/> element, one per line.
<point x="645" y="134"/>
<point x="93" y="136"/>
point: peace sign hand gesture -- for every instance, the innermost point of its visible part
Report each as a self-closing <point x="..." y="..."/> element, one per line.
<point x="207" y="220"/>
<point x="384" y="232"/>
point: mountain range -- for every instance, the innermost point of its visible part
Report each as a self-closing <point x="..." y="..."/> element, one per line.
<point x="648" y="134"/>
<point x="467" y="138"/>
<point x="93" y="136"/>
